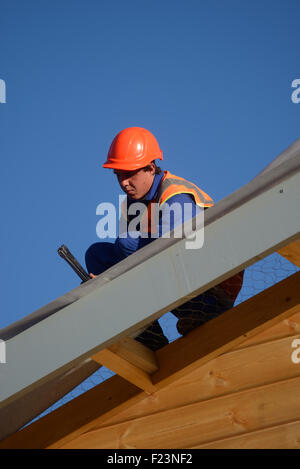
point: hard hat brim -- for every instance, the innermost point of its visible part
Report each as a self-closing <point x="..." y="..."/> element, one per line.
<point x="130" y="166"/>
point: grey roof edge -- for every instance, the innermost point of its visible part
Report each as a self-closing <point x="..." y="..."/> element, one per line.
<point x="284" y="156"/>
<point x="287" y="164"/>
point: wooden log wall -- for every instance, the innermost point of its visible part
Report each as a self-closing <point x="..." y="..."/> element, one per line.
<point x="248" y="397"/>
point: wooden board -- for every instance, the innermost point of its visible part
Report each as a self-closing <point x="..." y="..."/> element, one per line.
<point x="131" y="360"/>
<point x="288" y="327"/>
<point x="136" y="354"/>
<point x="286" y="436"/>
<point x="234" y="371"/>
<point x="203" y="422"/>
<point x="124" y="368"/>
<point x="291" y="252"/>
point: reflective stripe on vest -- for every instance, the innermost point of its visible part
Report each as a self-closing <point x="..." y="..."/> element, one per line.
<point x="172" y="185"/>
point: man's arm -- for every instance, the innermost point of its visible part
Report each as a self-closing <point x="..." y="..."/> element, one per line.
<point x="176" y="211"/>
<point x="169" y="218"/>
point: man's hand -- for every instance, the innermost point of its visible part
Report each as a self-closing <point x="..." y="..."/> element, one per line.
<point x="93" y="276"/>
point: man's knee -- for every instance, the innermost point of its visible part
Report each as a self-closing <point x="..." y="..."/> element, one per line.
<point x="90" y="254"/>
<point x="126" y="246"/>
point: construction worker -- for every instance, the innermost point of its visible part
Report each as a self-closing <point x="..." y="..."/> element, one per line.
<point x="132" y="156"/>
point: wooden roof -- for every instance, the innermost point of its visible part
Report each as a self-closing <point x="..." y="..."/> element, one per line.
<point x="230" y="383"/>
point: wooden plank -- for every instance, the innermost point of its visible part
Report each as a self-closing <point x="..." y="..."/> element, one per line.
<point x="136" y="354"/>
<point x="233" y="371"/>
<point x="228" y="330"/>
<point x="291" y="252"/>
<point x="286" y="436"/>
<point x="125" y="369"/>
<point x="287" y="327"/>
<point x="203" y="422"/>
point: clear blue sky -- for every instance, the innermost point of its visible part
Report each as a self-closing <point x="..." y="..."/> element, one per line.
<point x="211" y="79"/>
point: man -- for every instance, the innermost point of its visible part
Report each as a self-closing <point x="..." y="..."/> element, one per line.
<point x="132" y="156"/>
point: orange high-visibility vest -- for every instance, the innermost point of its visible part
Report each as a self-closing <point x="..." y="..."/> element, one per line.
<point x="170" y="185"/>
<point x="173" y="185"/>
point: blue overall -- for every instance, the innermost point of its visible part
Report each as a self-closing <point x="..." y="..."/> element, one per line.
<point x="103" y="255"/>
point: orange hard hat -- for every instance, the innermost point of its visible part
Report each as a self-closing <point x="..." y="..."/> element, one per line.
<point x="133" y="148"/>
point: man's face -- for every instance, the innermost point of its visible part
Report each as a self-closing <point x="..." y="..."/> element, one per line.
<point x="135" y="183"/>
